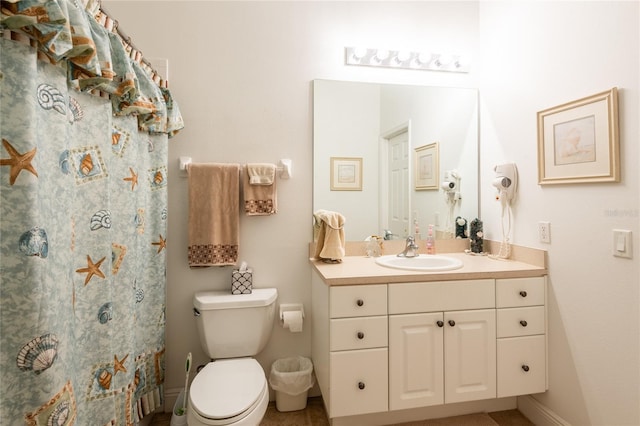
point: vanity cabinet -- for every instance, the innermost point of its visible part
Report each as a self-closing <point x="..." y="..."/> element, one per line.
<point x="521" y="333"/>
<point x="406" y="345"/>
<point x="358" y="346"/>
<point x="444" y="356"/>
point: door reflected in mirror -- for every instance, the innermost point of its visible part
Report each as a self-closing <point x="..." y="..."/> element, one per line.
<point x="401" y="191"/>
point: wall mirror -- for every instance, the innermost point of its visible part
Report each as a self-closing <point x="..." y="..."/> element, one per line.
<point x="410" y="142"/>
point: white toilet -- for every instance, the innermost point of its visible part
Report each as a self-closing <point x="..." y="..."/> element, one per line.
<point x="232" y="389"/>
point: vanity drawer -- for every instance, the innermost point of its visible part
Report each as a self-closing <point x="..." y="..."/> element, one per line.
<point x="357" y="300"/>
<point x="513" y="322"/>
<point x="358" y="333"/>
<point x="521" y="365"/>
<point x="359" y="382"/>
<point x="408" y="298"/>
<point x="514" y="292"/>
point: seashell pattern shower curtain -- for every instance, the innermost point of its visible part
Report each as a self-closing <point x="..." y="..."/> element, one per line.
<point x="83" y="213"/>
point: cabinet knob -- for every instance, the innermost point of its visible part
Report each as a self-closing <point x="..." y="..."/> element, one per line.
<point x="360" y="335"/>
<point x="452" y="323"/>
<point x="440" y="323"/>
<point x="525" y="367"/>
<point x="360" y="385"/>
<point x="523" y="293"/>
<point x="523" y="323"/>
<point x="360" y="302"/>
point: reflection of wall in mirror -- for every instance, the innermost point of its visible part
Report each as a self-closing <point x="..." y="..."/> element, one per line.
<point x="349" y="118"/>
<point x="448" y="116"/>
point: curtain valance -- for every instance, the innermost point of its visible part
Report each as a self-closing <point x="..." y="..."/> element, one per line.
<point x="80" y="36"/>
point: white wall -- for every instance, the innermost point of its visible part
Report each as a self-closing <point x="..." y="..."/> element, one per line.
<point x="242" y="74"/>
<point x="537" y="55"/>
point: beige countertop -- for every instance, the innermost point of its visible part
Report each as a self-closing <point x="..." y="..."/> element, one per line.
<point x="364" y="270"/>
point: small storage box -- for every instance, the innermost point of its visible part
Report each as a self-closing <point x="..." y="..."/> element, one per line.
<point x="241" y="282"/>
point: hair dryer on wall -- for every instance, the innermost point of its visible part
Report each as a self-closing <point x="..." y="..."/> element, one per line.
<point x="506" y="181"/>
<point x="451" y="189"/>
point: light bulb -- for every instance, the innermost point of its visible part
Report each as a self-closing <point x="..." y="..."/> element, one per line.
<point x="359" y="52"/>
<point x="381" y="55"/>
<point x="423" y="58"/>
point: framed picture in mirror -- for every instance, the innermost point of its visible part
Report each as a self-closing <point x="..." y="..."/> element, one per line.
<point x="578" y="141"/>
<point x="346" y="174"/>
<point x="426" y="166"/>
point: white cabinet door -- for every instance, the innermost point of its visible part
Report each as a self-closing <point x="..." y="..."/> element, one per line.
<point x="415" y="360"/>
<point x="470" y="355"/>
<point x="359" y="382"/>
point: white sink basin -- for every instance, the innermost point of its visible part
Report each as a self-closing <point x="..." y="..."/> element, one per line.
<point x="423" y="262"/>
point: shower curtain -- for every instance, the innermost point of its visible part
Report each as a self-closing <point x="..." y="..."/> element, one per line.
<point x="83" y="213"/>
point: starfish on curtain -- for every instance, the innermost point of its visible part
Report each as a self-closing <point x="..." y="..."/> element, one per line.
<point x="133" y="178"/>
<point x="18" y="162"/>
<point x="91" y="269"/>
<point x="118" y="364"/>
<point x="162" y="244"/>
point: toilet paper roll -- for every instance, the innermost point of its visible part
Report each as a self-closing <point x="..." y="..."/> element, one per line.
<point x="292" y="320"/>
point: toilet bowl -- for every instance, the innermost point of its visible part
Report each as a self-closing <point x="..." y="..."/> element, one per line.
<point x="232" y="390"/>
<point x="228" y="392"/>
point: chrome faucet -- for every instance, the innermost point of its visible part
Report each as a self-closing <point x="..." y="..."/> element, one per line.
<point x="411" y="249"/>
<point x="388" y="235"/>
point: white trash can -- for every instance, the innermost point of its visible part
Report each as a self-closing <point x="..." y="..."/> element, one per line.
<point x="291" y="378"/>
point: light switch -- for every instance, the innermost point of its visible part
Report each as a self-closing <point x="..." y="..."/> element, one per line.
<point x="622" y="243"/>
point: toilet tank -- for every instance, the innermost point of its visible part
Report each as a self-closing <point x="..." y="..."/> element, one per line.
<point x="234" y="325"/>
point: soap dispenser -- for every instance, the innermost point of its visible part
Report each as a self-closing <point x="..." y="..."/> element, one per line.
<point x="431" y="242"/>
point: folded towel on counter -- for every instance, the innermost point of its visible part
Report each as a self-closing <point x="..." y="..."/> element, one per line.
<point x="214" y="209"/>
<point x="260" y="199"/>
<point x="329" y="227"/>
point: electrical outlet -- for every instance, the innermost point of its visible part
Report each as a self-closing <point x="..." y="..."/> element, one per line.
<point x="544" y="232"/>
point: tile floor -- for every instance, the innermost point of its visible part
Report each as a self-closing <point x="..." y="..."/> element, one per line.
<point x="314" y="415"/>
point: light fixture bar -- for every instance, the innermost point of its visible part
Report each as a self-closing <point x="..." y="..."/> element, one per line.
<point x="406" y="60"/>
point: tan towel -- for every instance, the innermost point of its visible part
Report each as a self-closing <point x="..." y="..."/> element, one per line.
<point x="260" y="198"/>
<point x="261" y="173"/>
<point x="214" y="208"/>
<point x="330" y="230"/>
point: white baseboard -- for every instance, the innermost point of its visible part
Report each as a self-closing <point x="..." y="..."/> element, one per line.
<point x="539" y="414"/>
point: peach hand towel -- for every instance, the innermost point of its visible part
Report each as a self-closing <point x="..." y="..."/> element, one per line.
<point x="214" y="209"/>
<point x="260" y="198"/>
<point x="330" y="230"/>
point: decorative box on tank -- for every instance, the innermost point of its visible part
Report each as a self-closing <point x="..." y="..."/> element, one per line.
<point x="242" y="280"/>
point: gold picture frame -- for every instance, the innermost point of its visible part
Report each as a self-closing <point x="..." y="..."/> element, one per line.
<point x="578" y="142"/>
<point x="426" y="167"/>
<point x="346" y="174"/>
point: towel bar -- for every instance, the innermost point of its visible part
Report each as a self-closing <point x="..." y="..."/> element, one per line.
<point x="283" y="168"/>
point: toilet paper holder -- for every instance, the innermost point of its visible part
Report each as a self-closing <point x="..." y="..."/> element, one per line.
<point x="288" y="307"/>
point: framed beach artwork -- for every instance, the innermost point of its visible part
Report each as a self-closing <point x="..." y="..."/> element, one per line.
<point x="426" y="166"/>
<point x="346" y="174"/>
<point x="578" y="141"/>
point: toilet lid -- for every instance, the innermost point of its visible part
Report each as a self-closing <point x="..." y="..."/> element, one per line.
<point x="227" y="388"/>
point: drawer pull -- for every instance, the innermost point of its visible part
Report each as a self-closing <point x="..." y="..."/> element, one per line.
<point x="360" y="335"/>
<point x="360" y="302"/>
<point x="440" y="323"/>
<point x="523" y="293"/>
<point x="360" y="385"/>
<point x="525" y="367"/>
<point x="523" y="323"/>
<point x="452" y="323"/>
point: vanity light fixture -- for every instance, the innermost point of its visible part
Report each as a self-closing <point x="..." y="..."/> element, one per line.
<point x="406" y="60"/>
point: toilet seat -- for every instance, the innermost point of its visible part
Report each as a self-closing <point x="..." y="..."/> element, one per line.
<point x="226" y="391"/>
